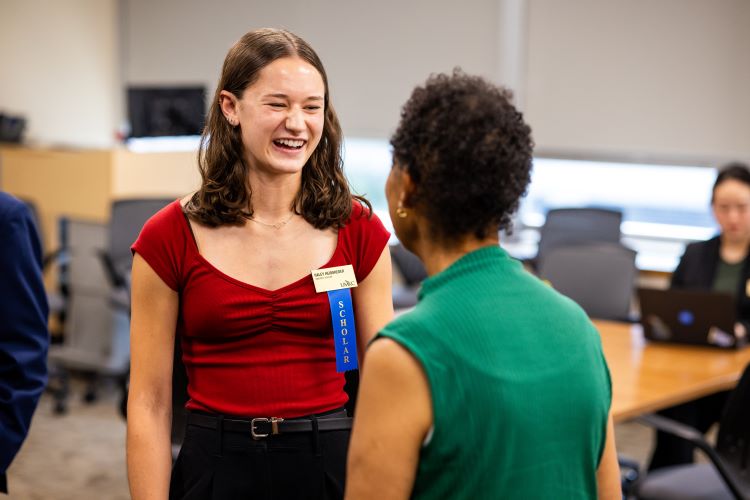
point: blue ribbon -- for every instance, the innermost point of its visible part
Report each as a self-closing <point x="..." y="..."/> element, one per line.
<point x="344" y="333"/>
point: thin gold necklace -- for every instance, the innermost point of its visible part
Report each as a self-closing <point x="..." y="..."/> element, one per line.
<point x="276" y="225"/>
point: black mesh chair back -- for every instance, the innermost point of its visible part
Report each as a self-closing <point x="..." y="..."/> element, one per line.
<point x="567" y="226"/>
<point x="598" y="276"/>
<point x="126" y="222"/>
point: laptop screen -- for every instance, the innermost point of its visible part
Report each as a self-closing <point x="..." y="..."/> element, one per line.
<point x="688" y="316"/>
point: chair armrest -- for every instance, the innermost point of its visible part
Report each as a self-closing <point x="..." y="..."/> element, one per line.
<point x="120" y="282"/>
<point x="696" y="438"/>
<point x="116" y="279"/>
<point x="676" y="429"/>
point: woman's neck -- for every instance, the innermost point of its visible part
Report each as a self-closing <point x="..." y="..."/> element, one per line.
<point x="733" y="250"/>
<point x="273" y="195"/>
<point x="438" y="256"/>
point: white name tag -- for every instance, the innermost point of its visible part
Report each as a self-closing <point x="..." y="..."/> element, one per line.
<point x="334" y="278"/>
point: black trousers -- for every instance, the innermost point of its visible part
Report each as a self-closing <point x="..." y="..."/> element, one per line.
<point x="700" y="414"/>
<point x="215" y="465"/>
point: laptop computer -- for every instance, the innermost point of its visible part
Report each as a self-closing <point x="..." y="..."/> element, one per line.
<point x="689" y="317"/>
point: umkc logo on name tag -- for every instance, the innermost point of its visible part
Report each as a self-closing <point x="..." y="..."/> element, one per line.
<point x="337" y="281"/>
<point x="334" y="278"/>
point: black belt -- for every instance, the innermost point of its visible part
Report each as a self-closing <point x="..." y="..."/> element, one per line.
<point x="260" y="428"/>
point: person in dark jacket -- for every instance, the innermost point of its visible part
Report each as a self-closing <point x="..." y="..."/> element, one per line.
<point x="24" y="337"/>
<point x="720" y="264"/>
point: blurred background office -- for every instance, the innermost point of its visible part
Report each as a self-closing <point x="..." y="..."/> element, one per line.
<point x="639" y="83"/>
<point x="632" y="103"/>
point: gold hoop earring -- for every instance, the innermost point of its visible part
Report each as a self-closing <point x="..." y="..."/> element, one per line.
<point x="402" y="213"/>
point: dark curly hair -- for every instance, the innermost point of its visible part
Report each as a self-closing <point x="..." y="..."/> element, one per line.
<point x="224" y="197"/>
<point x="735" y="171"/>
<point x="468" y="151"/>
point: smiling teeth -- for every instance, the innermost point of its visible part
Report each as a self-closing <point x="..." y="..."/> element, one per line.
<point x="291" y="143"/>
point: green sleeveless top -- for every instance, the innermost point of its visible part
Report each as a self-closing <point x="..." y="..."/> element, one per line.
<point x="520" y="388"/>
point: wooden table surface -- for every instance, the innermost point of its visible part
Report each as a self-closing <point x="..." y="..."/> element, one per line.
<point x="648" y="376"/>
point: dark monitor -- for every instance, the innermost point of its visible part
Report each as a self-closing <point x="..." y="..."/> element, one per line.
<point x="166" y="111"/>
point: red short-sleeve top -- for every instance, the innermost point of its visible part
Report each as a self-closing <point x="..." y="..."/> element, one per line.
<point x="249" y="351"/>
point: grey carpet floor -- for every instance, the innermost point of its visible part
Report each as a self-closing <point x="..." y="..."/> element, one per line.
<point x="81" y="455"/>
<point x="78" y="456"/>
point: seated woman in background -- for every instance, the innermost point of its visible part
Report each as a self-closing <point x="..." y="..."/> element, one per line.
<point x="719" y="264"/>
<point x="495" y="385"/>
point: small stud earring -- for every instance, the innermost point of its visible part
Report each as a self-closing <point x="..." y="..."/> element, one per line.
<point x="401" y="212"/>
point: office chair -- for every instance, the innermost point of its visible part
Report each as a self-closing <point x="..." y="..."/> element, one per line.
<point x="99" y="313"/>
<point x="728" y="474"/>
<point x="413" y="273"/>
<point x="570" y="226"/>
<point x="96" y="341"/>
<point x="126" y="221"/>
<point x="598" y="276"/>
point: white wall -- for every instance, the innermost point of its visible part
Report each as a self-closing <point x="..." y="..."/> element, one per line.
<point x="664" y="78"/>
<point x="374" y="52"/>
<point x="59" y="67"/>
<point x="640" y="77"/>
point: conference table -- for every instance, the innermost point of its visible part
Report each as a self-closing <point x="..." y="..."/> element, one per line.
<point x="648" y="376"/>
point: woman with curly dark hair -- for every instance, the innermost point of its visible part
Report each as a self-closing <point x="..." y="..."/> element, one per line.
<point x="265" y="341"/>
<point x="494" y="385"/>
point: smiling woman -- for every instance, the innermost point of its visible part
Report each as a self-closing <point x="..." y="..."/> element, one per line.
<point x="280" y="116"/>
<point x="227" y="271"/>
<point x="269" y="98"/>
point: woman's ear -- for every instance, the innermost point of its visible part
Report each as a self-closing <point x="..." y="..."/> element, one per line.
<point x="228" y="104"/>
<point x="409" y="189"/>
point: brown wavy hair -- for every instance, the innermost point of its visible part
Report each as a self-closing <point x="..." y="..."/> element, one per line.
<point x="225" y="196"/>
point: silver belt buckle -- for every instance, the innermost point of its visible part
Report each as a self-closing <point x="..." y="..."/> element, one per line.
<point x="274" y="427"/>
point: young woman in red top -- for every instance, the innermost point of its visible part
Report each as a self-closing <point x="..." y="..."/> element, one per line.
<point x="228" y="270"/>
